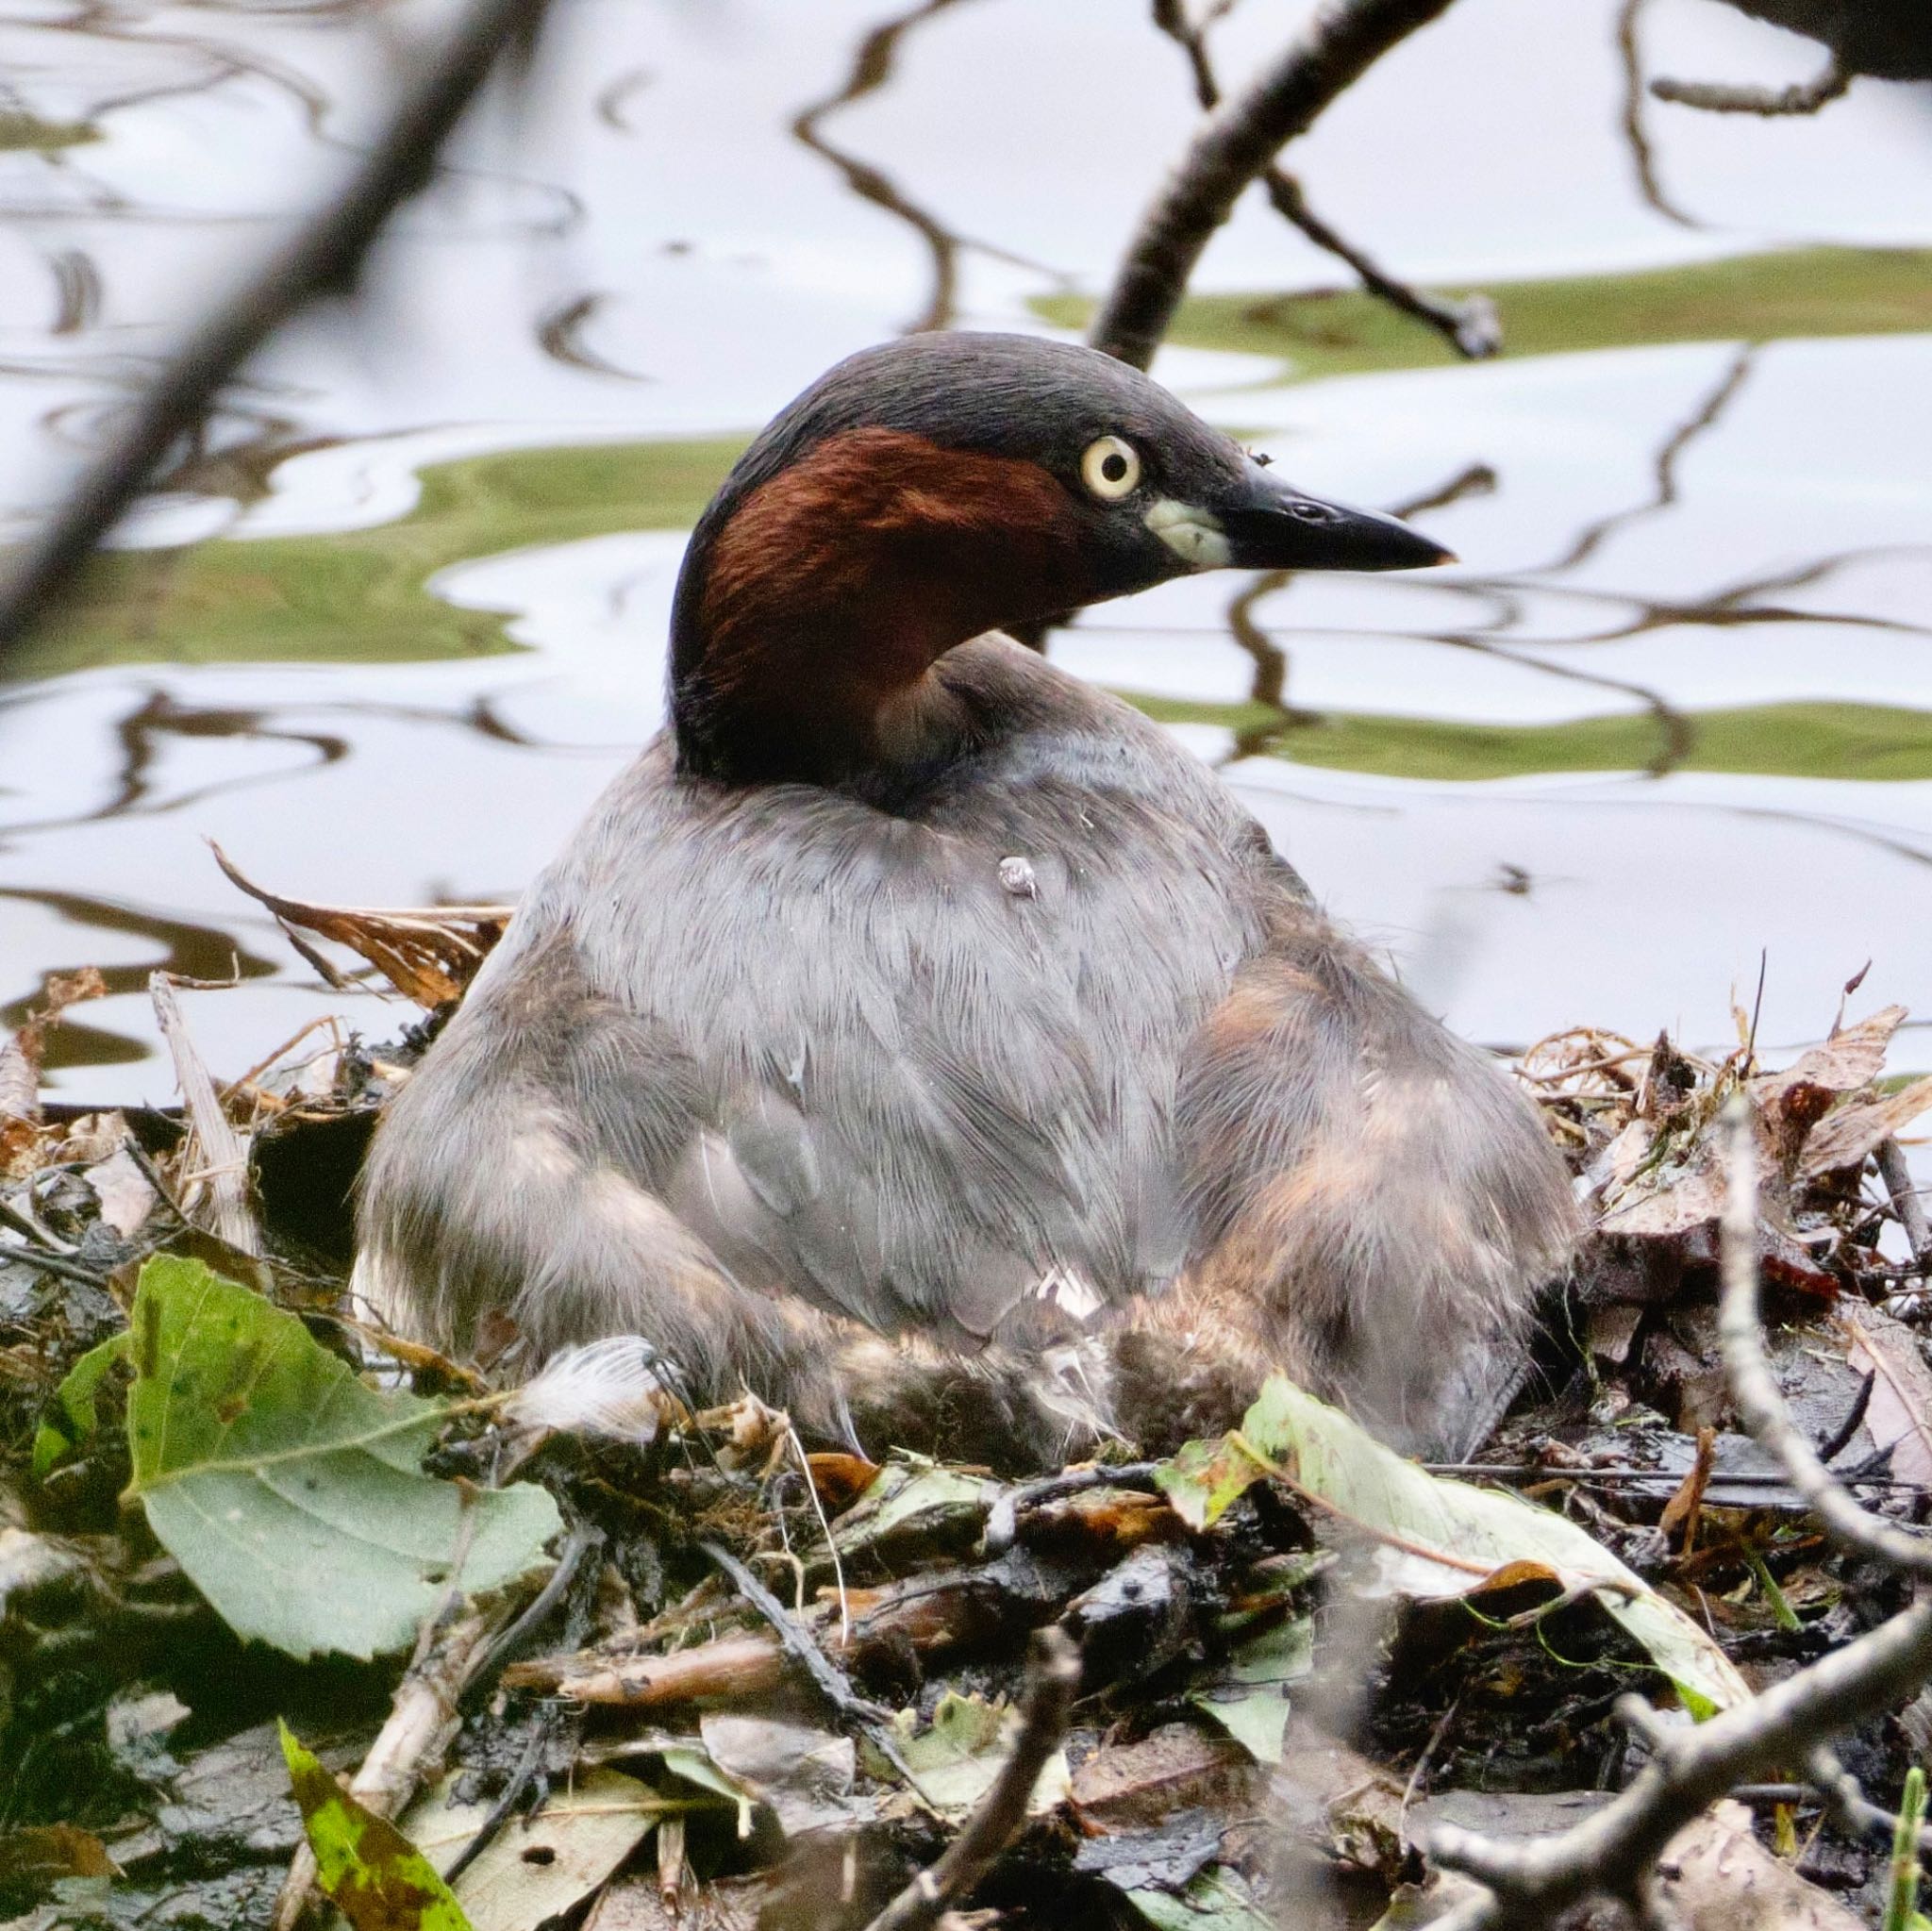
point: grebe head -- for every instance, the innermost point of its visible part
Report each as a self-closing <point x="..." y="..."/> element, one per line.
<point x="938" y="487"/>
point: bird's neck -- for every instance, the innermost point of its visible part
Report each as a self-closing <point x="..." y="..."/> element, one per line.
<point x="812" y="611"/>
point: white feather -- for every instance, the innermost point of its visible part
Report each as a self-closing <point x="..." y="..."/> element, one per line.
<point x="608" y="1387"/>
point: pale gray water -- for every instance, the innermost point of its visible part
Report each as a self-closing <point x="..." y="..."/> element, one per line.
<point x="645" y="249"/>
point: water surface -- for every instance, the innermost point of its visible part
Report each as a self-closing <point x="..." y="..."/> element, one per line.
<point x="1671" y="713"/>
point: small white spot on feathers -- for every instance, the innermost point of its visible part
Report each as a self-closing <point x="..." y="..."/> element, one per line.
<point x="1016" y="874"/>
<point x="1066" y="1290"/>
<point x="608" y="1387"/>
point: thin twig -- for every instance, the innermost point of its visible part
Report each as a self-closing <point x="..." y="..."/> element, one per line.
<point x="55" y="1264"/>
<point x="581" y="1541"/>
<point x="1635" y="134"/>
<point x="542" y="1728"/>
<point x="322" y="258"/>
<point x="1840" y="1438"/>
<point x="1234" y="145"/>
<point x="1053" y="1675"/>
<point x="831" y="1681"/>
<point x="1718" y="97"/>
<point x="1663" y="1478"/>
<point x="1532" y="1882"/>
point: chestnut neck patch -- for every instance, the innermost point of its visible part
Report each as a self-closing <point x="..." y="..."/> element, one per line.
<point x="811" y="614"/>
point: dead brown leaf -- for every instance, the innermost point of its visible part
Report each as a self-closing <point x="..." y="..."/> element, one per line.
<point x="428" y="955"/>
<point x="1681" y="1511"/>
<point x="633" y="1904"/>
<point x="1176" y="1767"/>
<point x="841" y="1479"/>
<point x="1900" y="1414"/>
<point x="1716" y="1876"/>
<point x="44" y="1852"/>
<point x="1854" y="1130"/>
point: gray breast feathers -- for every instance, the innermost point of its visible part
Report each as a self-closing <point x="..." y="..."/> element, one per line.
<point x="866" y="1058"/>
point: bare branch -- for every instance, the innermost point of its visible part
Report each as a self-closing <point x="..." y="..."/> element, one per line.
<point x="1716" y="97"/>
<point x="1906" y="1202"/>
<point x="1614" y="1853"/>
<point x="322" y="258"/>
<point x="1053" y="1674"/>
<point x="1470" y="327"/>
<point x="1757" y="1394"/>
<point x="1531" y="1882"/>
<point x="1236" y="143"/>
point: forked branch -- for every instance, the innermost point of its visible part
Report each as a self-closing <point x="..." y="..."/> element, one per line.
<point x="1234" y="145"/>
<point x="1470" y="325"/>
<point x="1614" y="1853"/>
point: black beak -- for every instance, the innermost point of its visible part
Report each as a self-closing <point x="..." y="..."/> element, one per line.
<point x="1275" y="526"/>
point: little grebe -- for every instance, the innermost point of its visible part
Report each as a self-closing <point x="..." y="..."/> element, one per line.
<point x="920" y="1036"/>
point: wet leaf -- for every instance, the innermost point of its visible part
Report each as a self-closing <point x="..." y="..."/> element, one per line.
<point x="1249" y="1697"/>
<point x="535" y="1868"/>
<point x="1206" y="1479"/>
<point x="694" y="1763"/>
<point x="290" y="1492"/>
<point x="960" y="1754"/>
<point x="1899" y="1416"/>
<point x="1139" y="1786"/>
<point x="804" y="1775"/>
<point x="1853" y="1130"/>
<point x="1217" y="1900"/>
<point x="126" y="1193"/>
<point x="915" y="1504"/>
<point x="1431" y="1537"/>
<point x="372" y="1872"/>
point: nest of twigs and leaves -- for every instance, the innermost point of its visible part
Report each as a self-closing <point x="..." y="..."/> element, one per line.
<point x="298" y="1618"/>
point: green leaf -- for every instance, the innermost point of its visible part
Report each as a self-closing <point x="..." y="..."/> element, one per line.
<point x="915" y="1504"/>
<point x="1249" y="1698"/>
<point x="291" y="1492"/>
<point x="1214" y="1900"/>
<point x="1431" y="1537"/>
<point x="960" y="1755"/>
<point x="372" y="1872"/>
<point x="694" y="1763"/>
<point x="1207" y="1478"/>
<point x="72" y="1424"/>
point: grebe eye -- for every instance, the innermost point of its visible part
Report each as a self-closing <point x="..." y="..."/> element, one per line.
<point x="1110" y="468"/>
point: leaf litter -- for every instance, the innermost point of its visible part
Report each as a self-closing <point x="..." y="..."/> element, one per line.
<point x="1298" y="1646"/>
